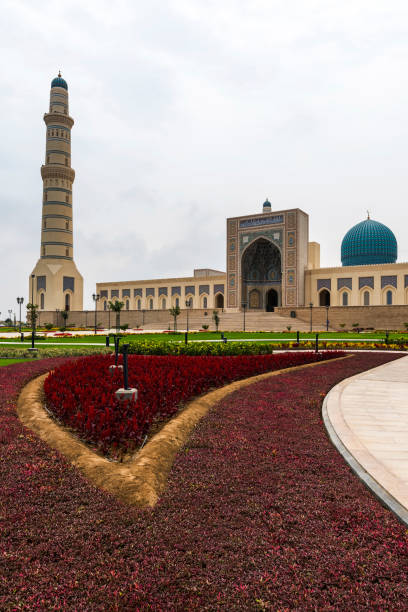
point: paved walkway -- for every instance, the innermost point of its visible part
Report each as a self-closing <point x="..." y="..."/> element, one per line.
<point x="367" y="419"/>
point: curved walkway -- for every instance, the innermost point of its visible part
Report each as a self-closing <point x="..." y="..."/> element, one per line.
<point x="367" y="420"/>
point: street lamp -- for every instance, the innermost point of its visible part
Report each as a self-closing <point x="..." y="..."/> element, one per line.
<point x="244" y="305"/>
<point x="95" y="297"/>
<point x="311" y="319"/>
<point x="10" y="313"/>
<point x="32" y="312"/>
<point x="20" y="300"/>
<point x="188" y="302"/>
<point x="327" y="317"/>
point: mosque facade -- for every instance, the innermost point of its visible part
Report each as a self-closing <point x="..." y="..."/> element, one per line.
<point x="270" y="262"/>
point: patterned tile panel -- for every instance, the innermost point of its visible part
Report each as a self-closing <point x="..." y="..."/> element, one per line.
<point x="324" y="283"/>
<point x="366" y="281"/>
<point x="388" y="280"/>
<point x="344" y="282"/>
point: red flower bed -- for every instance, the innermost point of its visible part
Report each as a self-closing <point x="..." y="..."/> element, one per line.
<point x="82" y="393"/>
<point x="261" y="513"/>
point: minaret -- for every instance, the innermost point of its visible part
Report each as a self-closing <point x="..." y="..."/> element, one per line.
<point x="57" y="282"/>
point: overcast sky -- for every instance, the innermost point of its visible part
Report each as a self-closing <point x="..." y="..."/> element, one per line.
<point x="190" y="111"/>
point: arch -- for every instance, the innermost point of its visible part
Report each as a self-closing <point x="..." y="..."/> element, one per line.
<point x="272" y="300"/>
<point x="42" y="298"/>
<point x="261" y="266"/>
<point x="163" y="304"/>
<point x="344" y="298"/>
<point x="365" y="296"/>
<point x="324" y="297"/>
<point x="254" y="298"/>
<point x="67" y="302"/>
<point x="189" y="301"/>
<point x="219" y="300"/>
<point x="388" y="296"/>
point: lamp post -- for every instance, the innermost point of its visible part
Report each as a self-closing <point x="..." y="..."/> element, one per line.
<point x="20" y="300"/>
<point x="32" y="312"/>
<point x="95" y="297"/>
<point x="311" y="315"/>
<point x="327" y="317"/>
<point x="86" y="318"/>
<point x="57" y="310"/>
<point x="109" y="311"/>
<point x="188" y="308"/>
<point x="10" y="313"/>
<point x="143" y="311"/>
<point x="244" y="305"/>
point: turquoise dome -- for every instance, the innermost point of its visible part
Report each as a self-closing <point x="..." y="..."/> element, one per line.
<point x="59" y="82"/>
<point x="368" y="242"/>
<point x="267" y="203"/>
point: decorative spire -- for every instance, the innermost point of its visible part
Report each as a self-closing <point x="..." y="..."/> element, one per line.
<point x="368" y="214"/>
<point x="59" y="73"/>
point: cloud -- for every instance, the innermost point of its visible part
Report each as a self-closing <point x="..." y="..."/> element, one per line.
<point x="188" y="112"/>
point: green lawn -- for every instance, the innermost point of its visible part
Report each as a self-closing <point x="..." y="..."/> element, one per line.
<point x="6" y="362"/>
<point x="201" y="336"/>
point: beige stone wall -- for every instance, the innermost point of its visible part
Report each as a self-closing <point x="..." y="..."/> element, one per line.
<point x="378" y="317"/>
<point x="313" y="255"/>
<point x="384" y="278"/>
<point x="204" y="290"/>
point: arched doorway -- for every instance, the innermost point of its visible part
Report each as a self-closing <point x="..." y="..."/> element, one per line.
<point x="254" y="299"/>
<point x="261" y="267"/>
<point x="219" y="301"/>
<point x="324" y="298"/>
<point x="272" y="300"/>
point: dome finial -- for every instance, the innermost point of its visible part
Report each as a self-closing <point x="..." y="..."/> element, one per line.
<point x="368" y="214"/>
<point x="59" y="73"/>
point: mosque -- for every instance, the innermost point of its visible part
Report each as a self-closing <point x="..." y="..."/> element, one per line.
<point x="270" y="263"/>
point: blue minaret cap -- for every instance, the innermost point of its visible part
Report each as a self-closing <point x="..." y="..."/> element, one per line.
<point x="368" y="242"/>
<point x="267" y="204"/>
<point x="59" y="82"/>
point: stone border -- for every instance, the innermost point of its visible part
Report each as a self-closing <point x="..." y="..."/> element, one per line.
<point x="140" y="481"/>
<point x="375" y="487"/>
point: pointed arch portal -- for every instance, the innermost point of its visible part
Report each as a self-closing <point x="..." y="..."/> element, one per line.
<point x="261" y="267"/>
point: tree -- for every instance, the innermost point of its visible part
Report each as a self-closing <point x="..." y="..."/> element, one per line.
<point x="175" y="311"/>
<point x="32" y="314"/>
<point x="116" y="306"/>
<point x="64" y="315"/>
<point x="216" y="319"/>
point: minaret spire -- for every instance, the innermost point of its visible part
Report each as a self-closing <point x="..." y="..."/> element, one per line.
<point x="58" y="284"/>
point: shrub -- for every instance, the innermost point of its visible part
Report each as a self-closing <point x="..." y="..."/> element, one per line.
<point x="82" y="393"/>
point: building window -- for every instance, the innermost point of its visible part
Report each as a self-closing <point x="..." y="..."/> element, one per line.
<point x="66" y="252"/>
<point x="389" y="297"/>
<point x="127" y="304"/>
<point x="45" y="223"/>
<point x="164" y="304"/>
<point x="67" y="225"/>
<point x="67" y="301"/>
<point x="42" y="301"/>
<point x="104" y="304"/>
<point x="366" y="298"/>
<point x="66" y="161"/>
<point x="151" y="304"/>
<point x="177" y="302"/>
<point x="345" y="299"/>
<point x="139" y="304"/>
<point x="43" y="250"/>
<point x="205" y="302"/>
<point x="67" y="198"/>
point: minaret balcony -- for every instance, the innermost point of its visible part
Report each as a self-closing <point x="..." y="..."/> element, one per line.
<point x="60" y="172"/>
<point x="66" y="120"/>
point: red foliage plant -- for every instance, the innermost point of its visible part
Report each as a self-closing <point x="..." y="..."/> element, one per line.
<point x="82" y="393"/>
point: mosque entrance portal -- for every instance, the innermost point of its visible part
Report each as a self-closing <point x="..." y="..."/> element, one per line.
<point x="272" y="300"/>
<point x="261" y="268"/>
